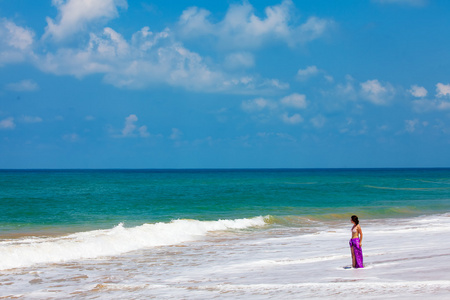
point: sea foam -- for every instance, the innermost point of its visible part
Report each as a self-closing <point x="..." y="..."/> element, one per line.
<point x="109" y="242"/>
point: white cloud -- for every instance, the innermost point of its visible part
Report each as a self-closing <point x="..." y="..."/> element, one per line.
<point x="143" y="131"/>
<point x="440" y="103"/>
<point x="294" y="119"/>
<point x="130" y="125"/>
<point x="30" y="119"/>
<point x="258" y="104"/>
<point x="418" y="91"/>
<point x="442" y="90"/>
<point x="16" y="42"/>
<point x="193" y="22"/>
<point x="404" y="2"/>
<point x="275" y="83"/>
<point x="423" y="105"/>
<point x="279" y="135"/>
<point x="410" y="125"/>
<point x="264" y="109"/>
<point x="353" y="127"/>
<point x="16" y="36"/>
<point x="414" y="125"/>
<point x="376" y="92"/>
<point x="7" y="123"/>
<point x="347" y="89"/>
<point x="319" y="121"/>
<point x="130" y="128"/>
<point x="313" y="29"/>
<point x="239" y="60"/>
<point x="89" y="118"/>
<point x="76" y="15"/>
<point x="310" y="71"/>
<point x="294" y="100"/>
<point x="23" y="86"/>
<point x="241" y="28"/>
<point x="102" y="54"/>
<point x="148" y="59"/>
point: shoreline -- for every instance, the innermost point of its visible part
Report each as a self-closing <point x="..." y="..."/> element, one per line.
<point x="257" y="264"/>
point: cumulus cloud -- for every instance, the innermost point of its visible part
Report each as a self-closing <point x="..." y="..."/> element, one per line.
<point x="130" y="125"/>
<point x="7" y="123"/>
<point x="148" y="59"/>
<point x="304" y="74"/>
<point x="130" y="128"/>
<point x="26" y="85"/>
<point x="294" y="100"/>
<point x="265" y="109"/>
<point x="293" y="119"/>
<point x="312" y="71"/>
<point x="440" y="103"/>
<point x="376" y="92"/>
<point x="258" y="104"/>
<point x="241" y="28"/>
<point x="278" y="135"/>
<point x="31" y="119"/>
<point x="17" y="42"/>
<point x="275" y="83"/>
<point x="102" y="54"/>
<point x="135" y="65"/>
<point x="442" y="90"/>
<point x="143" y="131"/>
<point x="410" y="125"/>
<point x="347" y="89"/>
<point x="319" y="121"/>
<point x="239" y="60"/>
<point x="424" y="105"/>
<point x="413" y="125"/>
<point x="75" y="15"/>
<point x="418" y="91"/>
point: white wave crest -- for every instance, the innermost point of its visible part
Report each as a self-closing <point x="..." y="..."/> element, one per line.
<point x="115" y="241"/>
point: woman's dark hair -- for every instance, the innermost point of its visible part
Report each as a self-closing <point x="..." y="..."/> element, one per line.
<point x="355" y="219"/>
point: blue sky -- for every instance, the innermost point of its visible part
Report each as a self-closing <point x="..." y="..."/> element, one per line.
<point x="224" y="84"/>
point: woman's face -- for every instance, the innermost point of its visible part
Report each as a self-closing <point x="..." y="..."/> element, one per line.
<point x="352" y="221"/>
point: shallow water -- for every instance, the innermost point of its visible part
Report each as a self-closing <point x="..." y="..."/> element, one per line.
<point x="405" y="258"/>
<point x="215" y="234"/>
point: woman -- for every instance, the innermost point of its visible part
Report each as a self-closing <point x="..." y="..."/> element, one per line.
<point x="356" y="243"/>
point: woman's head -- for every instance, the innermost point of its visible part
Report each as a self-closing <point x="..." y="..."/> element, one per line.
<point x="355" y="219"/>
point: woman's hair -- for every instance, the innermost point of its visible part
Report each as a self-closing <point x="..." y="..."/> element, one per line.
<point x="355" y="219"/>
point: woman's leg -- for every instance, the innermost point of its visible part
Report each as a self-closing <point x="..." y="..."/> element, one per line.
<point x="353" y="257"/>
<point x="357" y="252"/>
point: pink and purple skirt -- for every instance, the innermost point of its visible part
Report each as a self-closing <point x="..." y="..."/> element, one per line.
<point x="354" y="243"/>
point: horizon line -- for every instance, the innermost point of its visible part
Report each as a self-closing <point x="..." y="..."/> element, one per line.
<point x="218" y="169"/>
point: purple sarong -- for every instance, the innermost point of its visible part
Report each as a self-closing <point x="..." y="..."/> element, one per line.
<point x="357" y="251"/>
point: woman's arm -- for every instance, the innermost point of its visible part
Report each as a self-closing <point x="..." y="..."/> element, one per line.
<point x="360" y="235"/>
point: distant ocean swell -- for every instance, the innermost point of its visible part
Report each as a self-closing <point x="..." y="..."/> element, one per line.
<point x="16" y="253"/>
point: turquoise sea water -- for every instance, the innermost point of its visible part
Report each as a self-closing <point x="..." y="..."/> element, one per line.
<point x="74" y="200"/>
<point x="224" y="234"/>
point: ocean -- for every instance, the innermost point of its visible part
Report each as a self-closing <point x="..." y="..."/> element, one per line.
<point x="198" y="234"/>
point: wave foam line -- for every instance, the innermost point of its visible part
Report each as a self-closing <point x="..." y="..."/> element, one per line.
<point x="115" y="241"/>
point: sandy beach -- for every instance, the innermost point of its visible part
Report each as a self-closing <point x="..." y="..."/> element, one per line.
<point x="404" y="259"/>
